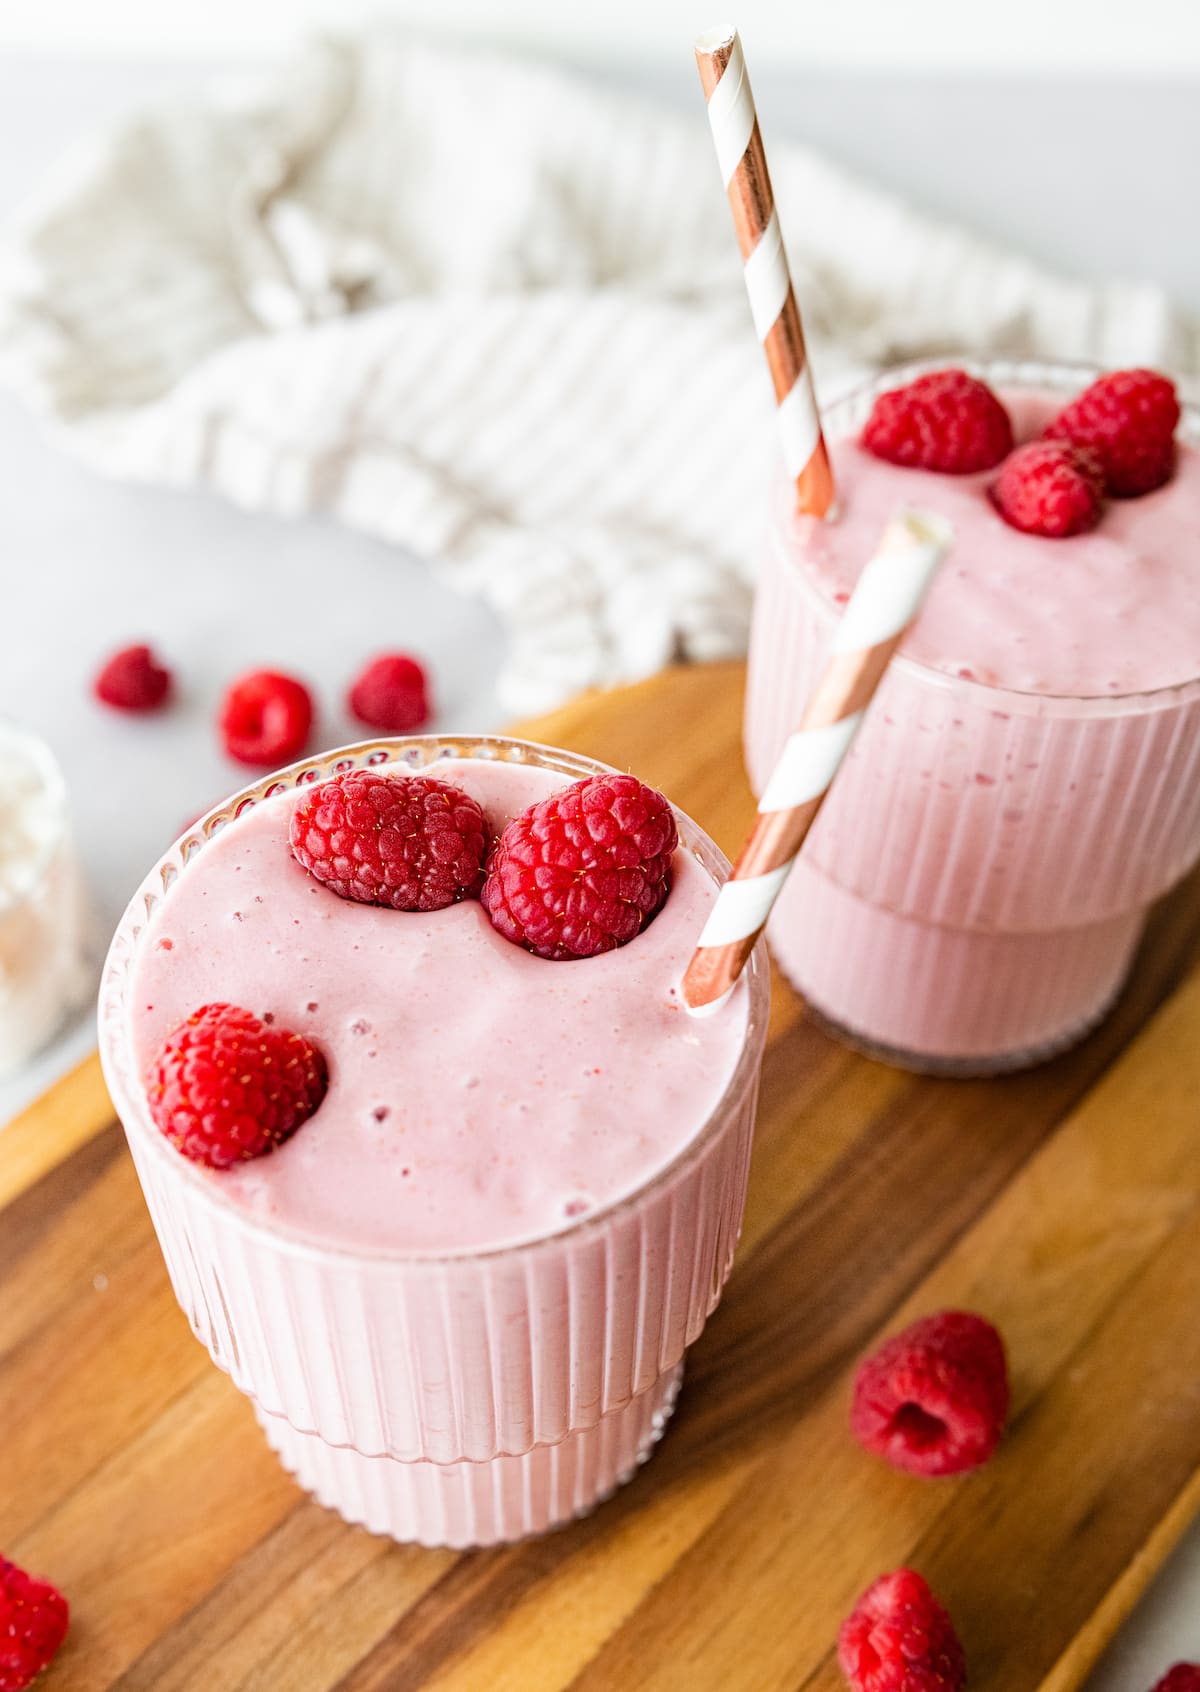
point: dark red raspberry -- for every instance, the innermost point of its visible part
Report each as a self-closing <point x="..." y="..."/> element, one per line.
<point x="406" y="841"/>
<point x="585" y="870"/>
<point x="226" y="1087"/>
<point x="1050" y="488"/>
<point x="133" y="680"/>
<point x="266" y="719"/>
<point x="898" y="1638"/>
<point x="933" y="1400"/>
<point x="1184" y="1677"/>
<point x="33" y="1624"/>
<point x="945" y="421"/>
<point x="391" y="694"/>
<point x="1128" y="420"/>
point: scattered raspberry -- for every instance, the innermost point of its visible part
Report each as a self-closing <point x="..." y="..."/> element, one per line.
<point x="33" y="1624"/>
<point x="405" y="841"/>
<point x="898" y="1638"/>
<point x="1128" y="420"/>
<point x="226" y="1087"/>
<point x="133" y="680"/>
<point x="1184" y="1677"/>
<point x="1050" y="488"/>
<point x="585" y="870"/>
<point x="933" y="1400"/>
<point x="945" y="421"/>
<point x="266" y="718"/>
<point x="391" y="694"/>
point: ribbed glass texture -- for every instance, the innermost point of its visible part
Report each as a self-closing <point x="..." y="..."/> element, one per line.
<point x="363" y="1364"/>
<point x="974" y="888"/>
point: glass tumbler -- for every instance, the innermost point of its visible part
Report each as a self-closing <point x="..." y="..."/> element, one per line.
<point x="462" y="1399"/>
<point x="971" y="897"/>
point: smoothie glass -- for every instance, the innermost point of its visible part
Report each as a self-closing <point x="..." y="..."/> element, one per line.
<point x="465" y="1398"/>
<point x="971" y="897"/>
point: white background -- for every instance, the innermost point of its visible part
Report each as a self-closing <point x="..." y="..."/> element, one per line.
<point x="1036" y="37"/>
<point x="1083" y="153"/>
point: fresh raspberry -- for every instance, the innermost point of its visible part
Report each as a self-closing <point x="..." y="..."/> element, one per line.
<point x="391" y="694"/>
<point x="226" y="1087"/>
<point x="1184" y="1677"/>
<point x="1128" y="420"/>
<point x="585" y="870"/>
<point x="133" y="680"/>
<point x="933" y="1400"/>
<point x="945" y="421"/>
<point x="33" y="1624"/>
<point x="1050" y="488"/>
<point x="405" y="841"/>
<point x="898" y="1638"/>
<point x="266" y="718"/>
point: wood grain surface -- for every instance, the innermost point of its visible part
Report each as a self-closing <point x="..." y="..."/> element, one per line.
<point x="1063" y="1203"/>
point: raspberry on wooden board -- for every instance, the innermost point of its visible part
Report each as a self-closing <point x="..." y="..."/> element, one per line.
<point x="33" y="1624"/>
<point x="933" y="1400"/>
<point x="898" y="1638"/>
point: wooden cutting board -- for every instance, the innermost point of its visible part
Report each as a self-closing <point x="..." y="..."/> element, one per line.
<point x="1063" y="1203"/>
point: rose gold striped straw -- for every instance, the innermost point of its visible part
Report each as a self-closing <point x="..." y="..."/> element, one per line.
<point x="768" y="281"/>
<point x="886" y="599"/>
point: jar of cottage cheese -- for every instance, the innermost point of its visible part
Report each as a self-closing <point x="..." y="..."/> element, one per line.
<point x="45" y="957"/>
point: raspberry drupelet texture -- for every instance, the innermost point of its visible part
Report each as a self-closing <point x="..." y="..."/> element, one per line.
<point x="33" y="1624"/>
<point x="133" y="680"/>
<point x="266" y="719"/>
<point x="226" y="1087"/>
<point x="898" y="1638"/>
<point x="1127" y="419"/>
<point x="946" y="420"/>
<point x="585" y="870"/>
<point x="934" y="1399"/>
<point x="409" y="842"/>
<point x="391" y="694"/>
<point x="1050" y="488"/>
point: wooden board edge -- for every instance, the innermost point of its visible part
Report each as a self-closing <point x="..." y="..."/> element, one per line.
<point x="1077" y="1663"/>
<point x="73" y="1111"/>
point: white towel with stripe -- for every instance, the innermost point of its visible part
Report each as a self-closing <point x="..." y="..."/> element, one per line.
<point x="494" y="314"/>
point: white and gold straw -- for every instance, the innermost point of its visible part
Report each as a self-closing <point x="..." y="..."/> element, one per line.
<point x="743" y="165"/>
<point x="886" y="599"/>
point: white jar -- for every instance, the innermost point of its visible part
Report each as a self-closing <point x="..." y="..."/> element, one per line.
<point x="45" y="962"/>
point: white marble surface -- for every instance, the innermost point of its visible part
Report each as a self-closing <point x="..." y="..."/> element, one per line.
<point x="86" y="566"/>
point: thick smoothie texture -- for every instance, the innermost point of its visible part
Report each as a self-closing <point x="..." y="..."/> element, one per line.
<point x="973" y="891"/>
<point x="1110" y="612"/>
<point x="478" y="1096"/>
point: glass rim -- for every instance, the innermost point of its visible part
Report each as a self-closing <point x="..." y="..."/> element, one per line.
<point x="1061" y="374"/>
<point x="114" y="1029"/>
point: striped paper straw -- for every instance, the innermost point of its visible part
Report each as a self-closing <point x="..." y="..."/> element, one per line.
<point x="887" y="597"/>
<point x="768" y="281"/>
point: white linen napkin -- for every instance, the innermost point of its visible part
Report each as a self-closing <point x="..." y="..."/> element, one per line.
<point x="494" y="313"/>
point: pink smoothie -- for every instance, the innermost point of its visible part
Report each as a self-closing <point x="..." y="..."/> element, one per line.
<point x="1028" y="777"/>
<point x="1114" y="611"/>
<point x="478" y="1096"/>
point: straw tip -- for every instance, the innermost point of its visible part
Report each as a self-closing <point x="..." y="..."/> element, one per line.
<point x="700" y="1007"/>
<point x="712" y="40"/>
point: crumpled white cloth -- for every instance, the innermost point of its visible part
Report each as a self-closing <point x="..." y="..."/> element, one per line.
<point x="495" y="313"/>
